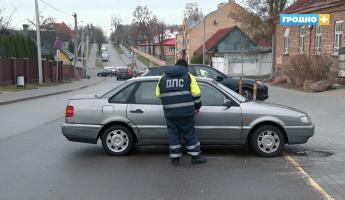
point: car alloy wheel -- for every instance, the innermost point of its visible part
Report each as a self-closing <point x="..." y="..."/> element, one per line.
<point x="268" y="141"/>
<point x="117" y="140"/>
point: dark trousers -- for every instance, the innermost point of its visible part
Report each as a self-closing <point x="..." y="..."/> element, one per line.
<point x="182" y="128"/>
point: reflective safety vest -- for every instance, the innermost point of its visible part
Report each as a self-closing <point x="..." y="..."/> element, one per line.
<point x="179" y="95"/>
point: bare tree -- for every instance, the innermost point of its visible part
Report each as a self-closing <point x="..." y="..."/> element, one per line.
<point x="161" y="27"/>
<point x="193" y="12"/>
<point x="142" y="16"/>
<point x="115" y="23"/>
<point x="47" y="23"/>
<point x="145" y="21"/>
<point x="5" y="21"/>
<point x="259" y="23"/>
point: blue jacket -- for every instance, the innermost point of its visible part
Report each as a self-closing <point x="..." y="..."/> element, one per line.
<point x="179" y="92"/>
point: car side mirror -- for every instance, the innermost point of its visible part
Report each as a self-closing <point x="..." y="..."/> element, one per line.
<point x="219" y="78"/>
<point x="227" y="103"/>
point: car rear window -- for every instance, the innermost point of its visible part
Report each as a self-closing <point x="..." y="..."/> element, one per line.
<point x="154" y="71"/>
<point x="123" y="70"/>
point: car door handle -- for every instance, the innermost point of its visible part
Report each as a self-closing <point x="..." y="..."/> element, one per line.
<point x="137" y="111"/>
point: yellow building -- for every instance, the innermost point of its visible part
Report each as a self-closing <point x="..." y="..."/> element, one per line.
<point x="227" y="15"/>
<point x="66" y="56"/>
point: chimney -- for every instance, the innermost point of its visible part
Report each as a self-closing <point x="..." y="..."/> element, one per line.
<point x="222" y="4"/>
<point x="25" y="27"/>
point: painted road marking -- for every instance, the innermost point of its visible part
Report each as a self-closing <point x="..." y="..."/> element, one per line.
<point x="307" y="177"/>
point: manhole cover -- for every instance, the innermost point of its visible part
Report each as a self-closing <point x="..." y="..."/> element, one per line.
<point x="314" y="153"/>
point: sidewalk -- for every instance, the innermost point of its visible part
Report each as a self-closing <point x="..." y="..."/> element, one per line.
<point x="323" y="157"/>
<point x="12" y="97"/>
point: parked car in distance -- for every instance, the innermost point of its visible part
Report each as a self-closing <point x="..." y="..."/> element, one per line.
<point x="105" y="57"/>
<point x="230" y="82"/>
<point x="106" y="73"/>
<point x="124" y="73"/>
<point x="130" y="54"/>
<point x="130" y="114"/>
<point x="140" y="71"/>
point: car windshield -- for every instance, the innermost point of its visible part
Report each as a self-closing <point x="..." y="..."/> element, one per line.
<point x="231" y="92"/>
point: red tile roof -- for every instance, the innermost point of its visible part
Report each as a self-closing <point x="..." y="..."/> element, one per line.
<point x="215" y="39"/>
<point x="168" y="42"/>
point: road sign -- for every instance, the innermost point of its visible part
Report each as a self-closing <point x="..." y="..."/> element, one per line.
<point x="58" y="43"/>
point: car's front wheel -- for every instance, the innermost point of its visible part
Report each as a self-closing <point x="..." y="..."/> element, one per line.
<point x="268" y="141"/>
<point x="247" y="93"/>
<point x="117" y="140"/>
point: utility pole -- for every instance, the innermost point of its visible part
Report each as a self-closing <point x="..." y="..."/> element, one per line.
<point x="203" y="44"/>
<point x="82" y="50"/>
<point x="87" y="47"/>
<point x="75" y="39"/>
<point x="38" y="38"/>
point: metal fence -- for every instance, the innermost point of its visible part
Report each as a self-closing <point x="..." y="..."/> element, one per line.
<point x="10" y="68"/>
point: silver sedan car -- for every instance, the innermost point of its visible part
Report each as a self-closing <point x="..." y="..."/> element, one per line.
<point x="131" y="114"/>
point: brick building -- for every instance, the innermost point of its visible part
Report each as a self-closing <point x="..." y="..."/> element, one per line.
<point x="311" y="40"/>
<point x="168" y="45"/>
<point x="227" y="15"/>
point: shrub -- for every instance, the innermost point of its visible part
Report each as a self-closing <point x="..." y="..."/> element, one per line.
<point x="301" y="68"/>
<point x="17" y="46"/>
<point x="196" y="59"/>
<point x="342" y="50"/>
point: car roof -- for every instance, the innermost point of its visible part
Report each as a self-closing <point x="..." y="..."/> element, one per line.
<point x="165" y="66"/>
<point x="156" y="78"/>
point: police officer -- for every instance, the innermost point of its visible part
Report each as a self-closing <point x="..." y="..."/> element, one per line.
<point x="180" y="96"/>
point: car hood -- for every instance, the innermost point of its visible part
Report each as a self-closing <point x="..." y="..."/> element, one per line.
<point x="273" y="108"/>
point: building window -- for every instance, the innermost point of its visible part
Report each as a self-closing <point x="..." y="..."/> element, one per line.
<point x="318" y="40"/>
<point x="301" y="39"/>
<point x="171" y="49"/>
<point x="338" y="35"/>
<point x="286" y="41"/>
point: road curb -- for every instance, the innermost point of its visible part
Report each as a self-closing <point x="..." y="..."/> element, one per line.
<point x="47" y="95"/>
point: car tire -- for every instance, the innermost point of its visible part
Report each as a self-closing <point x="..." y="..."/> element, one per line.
<point x="267" y="141"/>
<point x="117" y="141"/>
<point x="248" y="93"/>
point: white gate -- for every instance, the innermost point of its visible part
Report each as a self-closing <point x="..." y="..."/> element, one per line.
<point x="218" y="63"/>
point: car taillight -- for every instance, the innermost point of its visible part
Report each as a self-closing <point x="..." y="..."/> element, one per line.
<point x="69" y="111"/>
<point x="129" y="72"/>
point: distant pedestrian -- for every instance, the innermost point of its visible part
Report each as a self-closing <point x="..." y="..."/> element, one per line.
<point x="180" y="96"/>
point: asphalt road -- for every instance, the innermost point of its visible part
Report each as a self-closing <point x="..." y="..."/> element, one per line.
<point x="38" y="163"/>
<point x="115" y="60"/>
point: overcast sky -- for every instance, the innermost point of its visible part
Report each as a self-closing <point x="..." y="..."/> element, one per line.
<point x="99" y="12"/>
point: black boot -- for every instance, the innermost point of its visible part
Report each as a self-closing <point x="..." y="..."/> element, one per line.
<point x="198" y="160"/>
<point x="175" y="161"/>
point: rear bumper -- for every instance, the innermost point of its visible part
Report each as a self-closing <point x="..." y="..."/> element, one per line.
<point x="81" y="132"/>
<point x="299" y="134"/>
<point x="123" y="76"/>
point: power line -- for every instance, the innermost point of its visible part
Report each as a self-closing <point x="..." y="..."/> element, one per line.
<point x="61" y="11"/>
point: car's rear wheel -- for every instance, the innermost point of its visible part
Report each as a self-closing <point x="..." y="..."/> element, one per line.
<point x="117" y="140"/>
<point x="268" y="141"/>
